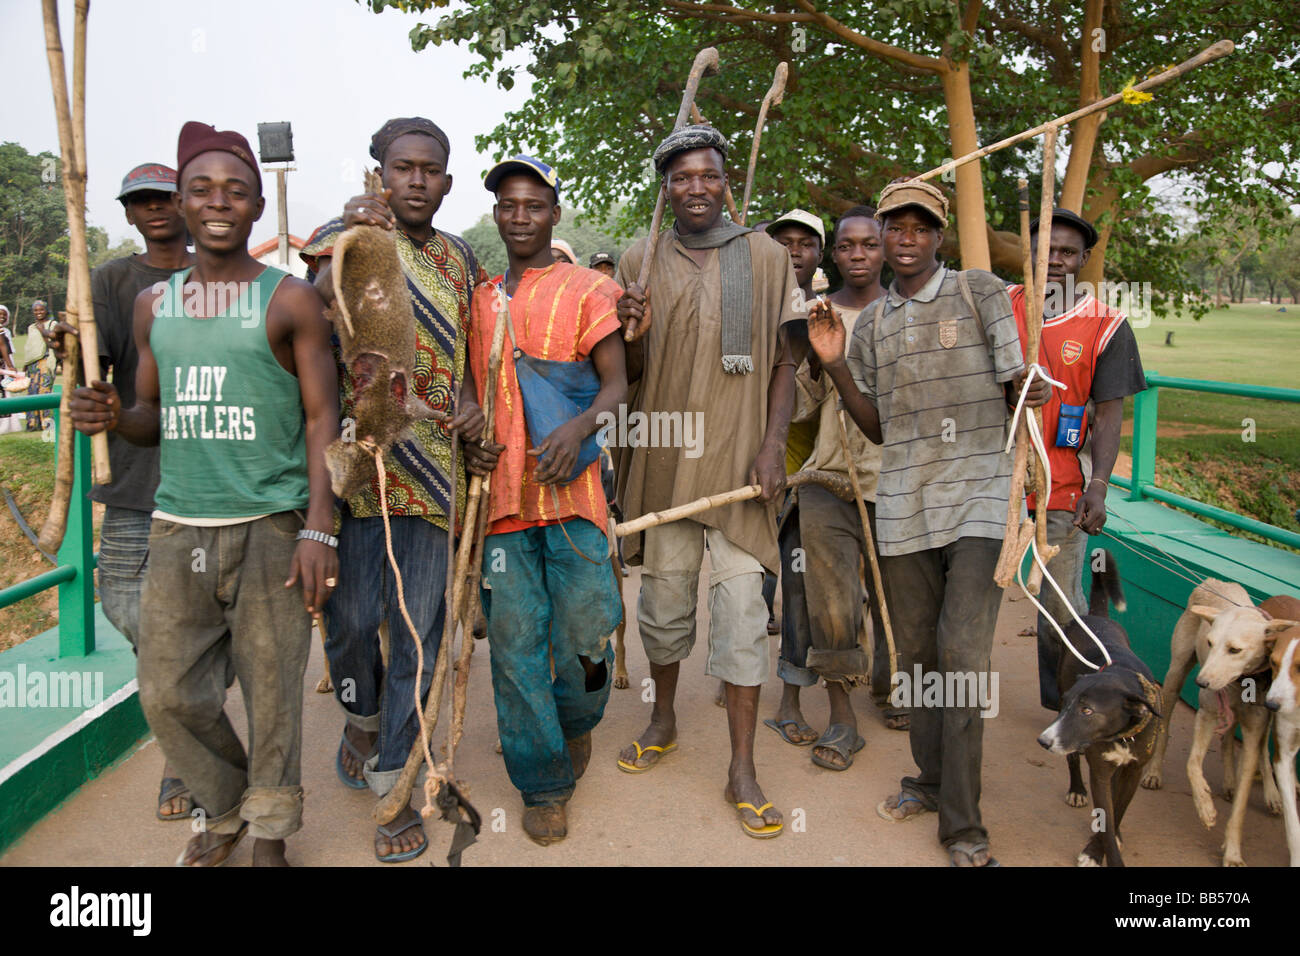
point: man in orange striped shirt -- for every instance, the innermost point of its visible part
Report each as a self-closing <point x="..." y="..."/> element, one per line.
<point x="549" y="591"/>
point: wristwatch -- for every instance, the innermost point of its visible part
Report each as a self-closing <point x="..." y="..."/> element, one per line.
<point x="321" y="536"/>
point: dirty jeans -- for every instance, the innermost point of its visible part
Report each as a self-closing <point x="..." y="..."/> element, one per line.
<point x="944" y="606"/>
<point x="792" y="664"/>
<point x="545" y="602"/>
<point x="1067" y="569"/>
<point x="375" y="699"/>
<point x="123" y="561"/>
<point x="213" y="598"/>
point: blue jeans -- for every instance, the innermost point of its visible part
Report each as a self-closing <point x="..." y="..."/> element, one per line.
<point x="123" y="560"/>
<point x="376" y="699"/>
<point x="544" y="601"/>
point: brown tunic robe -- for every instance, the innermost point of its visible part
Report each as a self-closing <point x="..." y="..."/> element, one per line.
<point x="682" y="355"/>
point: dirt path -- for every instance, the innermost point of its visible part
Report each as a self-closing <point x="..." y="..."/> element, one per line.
<point x="675" y="814"/>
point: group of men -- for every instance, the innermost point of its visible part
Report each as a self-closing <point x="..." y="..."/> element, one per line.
<point x="221" y="506"/>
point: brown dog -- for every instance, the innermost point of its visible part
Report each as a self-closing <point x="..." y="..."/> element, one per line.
<point x="1232" y="639"/>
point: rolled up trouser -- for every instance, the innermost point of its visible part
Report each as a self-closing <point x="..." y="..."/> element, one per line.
<point x="672" y="555"/>
<point x="214" y="596"/>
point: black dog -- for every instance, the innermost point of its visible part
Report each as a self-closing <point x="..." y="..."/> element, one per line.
<point x="1110" y="715"/>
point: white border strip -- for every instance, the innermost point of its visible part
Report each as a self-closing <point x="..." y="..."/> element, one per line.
<point x="68" y="729"/>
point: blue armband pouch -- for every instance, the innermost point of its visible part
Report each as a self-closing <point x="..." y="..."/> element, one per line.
<point x="1069" y="426"/>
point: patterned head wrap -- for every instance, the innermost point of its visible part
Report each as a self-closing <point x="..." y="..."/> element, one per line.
<point x="686" y="138"/>
<point x="394" y="128"/>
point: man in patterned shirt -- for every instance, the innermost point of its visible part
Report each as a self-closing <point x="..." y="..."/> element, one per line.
<point x="440" y="273"/>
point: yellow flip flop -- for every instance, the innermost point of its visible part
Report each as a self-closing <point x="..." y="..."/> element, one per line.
<point x="767" y="830"/>
<point x="628" y="767"/>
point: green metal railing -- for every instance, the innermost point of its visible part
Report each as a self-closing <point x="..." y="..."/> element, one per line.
<point x="1142" y="484"/>
<point x="76" y="559"/>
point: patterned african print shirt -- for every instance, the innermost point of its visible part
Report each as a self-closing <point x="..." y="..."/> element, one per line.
<point x="440" y="274"/>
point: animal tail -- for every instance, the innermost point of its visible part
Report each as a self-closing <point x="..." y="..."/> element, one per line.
<point x="1106" y="586"/>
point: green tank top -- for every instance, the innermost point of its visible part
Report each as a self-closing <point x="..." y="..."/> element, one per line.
<point x="233" y="435"/>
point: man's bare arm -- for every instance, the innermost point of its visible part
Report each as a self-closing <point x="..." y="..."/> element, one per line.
<point x="98" y="407"/>
<point x="318" y="385"/>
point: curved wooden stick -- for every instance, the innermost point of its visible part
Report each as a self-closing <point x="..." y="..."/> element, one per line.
<point x="706" y="64"/>
<point x="1208" y="55"/>
<point x="775" y="94"/>
<point x="869" y="540"/>
<point x="836" y="484"/>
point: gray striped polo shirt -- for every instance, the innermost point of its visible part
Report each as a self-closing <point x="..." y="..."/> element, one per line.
<point x="936" y="381"/>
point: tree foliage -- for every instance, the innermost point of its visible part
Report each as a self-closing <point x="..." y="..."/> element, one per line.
<point x="33" y="232"/>
<point x="870" y="97"/>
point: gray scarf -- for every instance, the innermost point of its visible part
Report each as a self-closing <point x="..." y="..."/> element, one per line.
<point x="737" y="291"/>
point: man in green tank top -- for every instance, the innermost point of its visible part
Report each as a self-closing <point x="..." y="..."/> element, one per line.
<point x="237" y="383"/>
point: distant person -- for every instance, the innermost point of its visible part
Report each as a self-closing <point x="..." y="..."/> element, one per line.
<point x="1092" y="350"/>
<point x="603" y="263"/>
<point x="38" y="364"/>
<point x="6" y="341"/>
<point x="563" y="252"/>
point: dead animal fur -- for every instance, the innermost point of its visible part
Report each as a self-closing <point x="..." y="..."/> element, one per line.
<point x="376" y="327"/>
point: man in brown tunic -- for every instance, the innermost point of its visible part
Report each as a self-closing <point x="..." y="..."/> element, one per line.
<point x="716" y="389"/>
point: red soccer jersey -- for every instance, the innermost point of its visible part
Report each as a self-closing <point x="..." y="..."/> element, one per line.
<point x="1069" y="348"/>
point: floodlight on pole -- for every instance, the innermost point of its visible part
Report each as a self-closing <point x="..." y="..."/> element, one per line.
<point x="275" y="144"/>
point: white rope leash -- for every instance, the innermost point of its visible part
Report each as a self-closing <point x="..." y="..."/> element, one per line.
<point x="1036" y="439"/>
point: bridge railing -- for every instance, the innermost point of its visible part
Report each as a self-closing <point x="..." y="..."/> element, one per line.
<point x="75" y="562"/>
<point x="1145" y="419"/>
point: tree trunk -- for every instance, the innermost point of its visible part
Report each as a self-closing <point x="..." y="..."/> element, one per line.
<point x="1083" y="132"/>
<point x="963" y="137"/>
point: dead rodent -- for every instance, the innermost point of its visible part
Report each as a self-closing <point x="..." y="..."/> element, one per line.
<point x="376" y="327"/>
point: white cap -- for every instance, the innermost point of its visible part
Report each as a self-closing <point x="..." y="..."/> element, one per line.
<point x="799" y="217"/>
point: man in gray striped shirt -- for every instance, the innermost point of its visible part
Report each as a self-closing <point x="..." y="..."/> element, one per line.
<point x="930" y="371"/>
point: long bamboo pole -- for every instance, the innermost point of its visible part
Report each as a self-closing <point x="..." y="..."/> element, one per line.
<point x="1208" y="55"/>
<point x="79" y="311"/>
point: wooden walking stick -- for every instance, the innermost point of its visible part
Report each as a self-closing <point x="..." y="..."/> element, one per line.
<point x="832" y="482"/>
<point x="870" y="541"/>
<point x="1015" y="539"/>
<point x="1208" y="55"/>
<point x="775" y="94"/>
<point x="706" y="64"/>
<point x="56" y="522"/>
<point x="72" y="152"/>
<point x="392" y="803"/>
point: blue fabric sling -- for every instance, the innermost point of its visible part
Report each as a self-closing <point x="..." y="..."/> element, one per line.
<point x="554" y="392"/>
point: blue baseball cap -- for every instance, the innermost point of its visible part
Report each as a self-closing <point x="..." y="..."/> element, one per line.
<point x="522" y="164"/>
<point x="154" y="177"/>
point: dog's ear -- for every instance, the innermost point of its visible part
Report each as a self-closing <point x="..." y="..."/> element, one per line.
<point x="1272" y="627"/>
<point x="1136" y="703"/>
<point x="1205" y="613"/>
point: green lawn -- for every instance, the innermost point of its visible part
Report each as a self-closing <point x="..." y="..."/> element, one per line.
<point x="1203" y="450"/>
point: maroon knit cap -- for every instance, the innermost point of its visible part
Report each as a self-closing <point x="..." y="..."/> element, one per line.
<point x="198" y="138"/>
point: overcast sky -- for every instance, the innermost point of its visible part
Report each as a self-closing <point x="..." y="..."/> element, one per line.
<point x="332" y="68"/>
